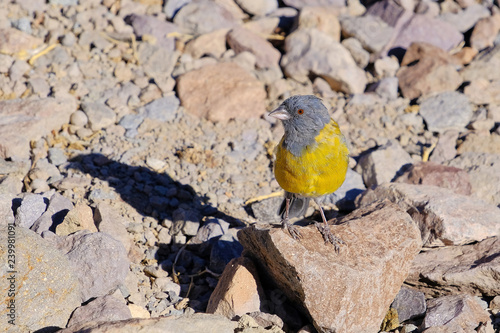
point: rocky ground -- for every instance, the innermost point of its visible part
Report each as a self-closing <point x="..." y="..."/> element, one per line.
<point x="136" y="165"/>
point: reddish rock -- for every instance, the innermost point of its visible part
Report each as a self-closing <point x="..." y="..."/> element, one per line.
<point x="243" y="40"/>
<point x="426" y="68"/>
<point x="221" y="92"/>
<point x="444" y="217"/>
<point x="471" y="269"/>
<point x="239" y="290"/>
<point x="428" y="173"/>
<point x="30" y="119"/>
<point x="348" y="291"/>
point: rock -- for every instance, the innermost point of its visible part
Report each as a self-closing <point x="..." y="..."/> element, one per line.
<point x="391" y="12"/>
<point x="243" y="40"/>
<point x="359" y="54"/>
<point x="221" y="92"/>
<point x="100" y="116"/>
<point x="57" y="156"/>
<point x="226" y="248"/>
<point x="324" y="19"/>
<point x="186" y="221"/>
<point x="18" y="69"/>
<point x="481" y="91"/>
<point x="238" y="291"/>
<point x="195" y="323"/>
<point x="386" y="67"/>
<point x="171" y="7"/>
<point x="106" y="308"/>
<point x="211" y="44"/>
<point x="422" y="28"/>
<point x="109" y="220"/>
<point x="30" y="119"/>
<point x="480" y="67"/>
<point x="18" y="43"/>
<point x="309" y="51"/>
<point x="484" y="32"/>
<point x="409" y="304"/>
<point x="427" y="69"/>
<point x="38" y="302"/>
<point x="56" y="211"/>
<point x="457" y="313"/>
<point x="464" y="56"/>
<point x="387" y="88"/>
<point x="79" y="118"/>
<point x="31" y="208"/>
<point x="266" y="319"/>
<point x="78" y="218"/>
<point x="163" y="109"/>
<point x="470" y="269"/>
<point x="267" y="210"/>
<point x="149" y="25"/>
<point x="466" y="19"/>
<point x="446" y="111"/>
<point x="444" y="218"/>
<point x="300" y="4"/>
<point x="6" y="209"/>
<point x="258" y="8"/>
<point x="484" y="173"/>
<point x="373" y="33"/>
<point x="495" y="305"/>
<point x="99" y="261"/>
<point x="137" y="311"/>
<point x="428" y="173"/>
<point x="204" y="16"/>
<point x="212" y="228"/>
<point x="480" y="143"/>
<point x="328" y="285"/>
<point x="158" y="64"/>
<point x="383" y="164"/>
<point x="445" y="149"/>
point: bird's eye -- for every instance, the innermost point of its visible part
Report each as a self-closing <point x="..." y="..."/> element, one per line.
<point x="300" y="111"/>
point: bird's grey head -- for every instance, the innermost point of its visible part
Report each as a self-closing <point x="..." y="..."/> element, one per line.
<point x="303" y="118"/>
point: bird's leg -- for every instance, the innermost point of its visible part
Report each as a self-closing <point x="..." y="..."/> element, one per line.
<point x="292" y="230"/>
<point x="327" y="234"/>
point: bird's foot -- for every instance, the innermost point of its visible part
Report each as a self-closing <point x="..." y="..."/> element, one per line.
<point x="328" y="236"/>
<point x="292" y="230"/>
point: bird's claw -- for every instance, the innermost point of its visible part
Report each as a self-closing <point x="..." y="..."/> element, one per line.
<point x="292" y="230"/>
<point x="328" y="236"/>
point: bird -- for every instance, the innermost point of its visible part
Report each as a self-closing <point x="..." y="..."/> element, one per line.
<point x="312" y="159"/>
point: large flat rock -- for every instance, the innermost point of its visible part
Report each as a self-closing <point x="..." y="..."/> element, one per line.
<point x="349" y="291"/>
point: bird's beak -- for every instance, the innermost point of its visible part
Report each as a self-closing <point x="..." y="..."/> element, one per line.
<point x="280" y="113"/>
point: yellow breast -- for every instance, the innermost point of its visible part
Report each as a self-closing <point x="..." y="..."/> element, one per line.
<point x="319" y="170"/>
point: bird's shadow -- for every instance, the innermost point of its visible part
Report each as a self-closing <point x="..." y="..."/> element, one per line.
<point x="150" y="193"/>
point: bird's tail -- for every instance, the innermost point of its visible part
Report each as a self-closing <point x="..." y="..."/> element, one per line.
<point x="298" y="205"/>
